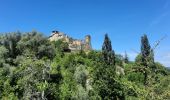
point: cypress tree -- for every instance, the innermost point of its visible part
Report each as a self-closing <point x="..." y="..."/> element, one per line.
<point x="147" y="57"/>
<point x="107" y="52"/>
<point x="126" y="59"/>
<point x="145" y="49"/>
<point x="105" y="82"/>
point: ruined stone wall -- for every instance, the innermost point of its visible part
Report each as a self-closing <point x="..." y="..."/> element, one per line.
<point x="74" y="44"/>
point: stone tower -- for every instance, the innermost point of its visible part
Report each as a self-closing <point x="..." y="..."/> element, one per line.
<point x="88" y="42"/>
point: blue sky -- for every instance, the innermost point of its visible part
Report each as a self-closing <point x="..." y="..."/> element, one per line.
<point x="124" y="20"/>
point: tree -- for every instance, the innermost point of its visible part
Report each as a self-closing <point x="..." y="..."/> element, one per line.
<point x="105" y="83"/>
<point x="61" y="46"/>
<point x="119" y="60"/>
<point x="108" y="53"/>
<point x="3" y="55"/>
<point x="81" y="75"/>
<point x="10" y="42"/>
<point x="145" y="49"/>
<point x="33" y="73"/>
<point x="46" y="50"/>
<point x="126" y="59"/>
<point x="147" y="57"/>
<point x="34" y="44"/>
<point x="32" y="79"/>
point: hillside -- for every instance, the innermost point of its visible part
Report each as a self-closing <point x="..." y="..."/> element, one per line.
<point x="34" y="68"/>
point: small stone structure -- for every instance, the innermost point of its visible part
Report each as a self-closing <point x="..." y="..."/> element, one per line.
<point x="74" y="44"/>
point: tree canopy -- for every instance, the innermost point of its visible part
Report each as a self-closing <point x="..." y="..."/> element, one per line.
<point x="32" y="67"/>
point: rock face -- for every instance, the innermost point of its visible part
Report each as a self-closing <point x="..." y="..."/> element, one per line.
<point x="74" y="44"/>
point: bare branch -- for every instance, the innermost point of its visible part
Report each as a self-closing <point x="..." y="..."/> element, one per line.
<point x="158" y="42"/>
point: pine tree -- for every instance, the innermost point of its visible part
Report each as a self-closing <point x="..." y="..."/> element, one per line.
<point x="107" y="52"/>
<point x="126" y="59"/>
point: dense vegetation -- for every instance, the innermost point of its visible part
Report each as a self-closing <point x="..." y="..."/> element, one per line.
<point x="32" y="67"/>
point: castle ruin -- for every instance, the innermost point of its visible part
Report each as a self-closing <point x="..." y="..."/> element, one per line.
<point x="74" y="44"/>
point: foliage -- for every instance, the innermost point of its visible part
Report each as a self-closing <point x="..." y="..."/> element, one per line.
<point x="32" y="67"/>
<point x="108" y="53"/>
<point x="126" y="59"/>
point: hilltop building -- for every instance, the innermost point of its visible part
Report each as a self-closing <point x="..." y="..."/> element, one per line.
<point x="74" y="44"/>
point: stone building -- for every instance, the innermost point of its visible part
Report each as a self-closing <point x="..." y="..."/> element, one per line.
<point x="74" y="44"/>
